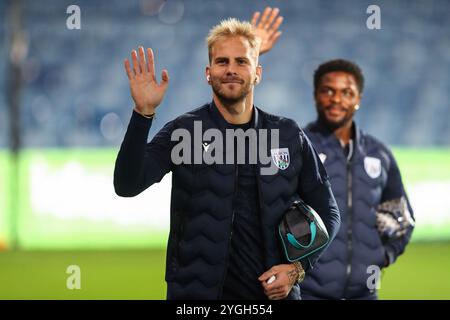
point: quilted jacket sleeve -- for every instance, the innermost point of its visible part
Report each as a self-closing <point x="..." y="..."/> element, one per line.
<point x="140" y="164"/>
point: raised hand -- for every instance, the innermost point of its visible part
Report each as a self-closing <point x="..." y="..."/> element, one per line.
<point x="145" y="90"/>
<point x="267" y="28"/>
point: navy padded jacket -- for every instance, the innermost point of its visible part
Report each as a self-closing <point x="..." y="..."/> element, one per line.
<point x="202" y="197"/>
<point x="359" y="186"/>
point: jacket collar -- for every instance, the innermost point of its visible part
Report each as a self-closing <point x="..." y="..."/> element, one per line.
<point x="223" y="124"/>
<point x="330" y="139"/>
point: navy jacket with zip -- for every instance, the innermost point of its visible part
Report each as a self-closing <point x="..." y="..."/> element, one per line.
<point x="359" y="186"/>
<point x="201" y="211"/>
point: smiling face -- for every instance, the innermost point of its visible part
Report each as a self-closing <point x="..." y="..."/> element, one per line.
<point x="233" y="69"/>
<point x="336" y="97"/>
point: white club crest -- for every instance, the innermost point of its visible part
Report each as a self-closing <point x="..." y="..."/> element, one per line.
<point x="372" y="167"/>
<point x="280" y="158"/>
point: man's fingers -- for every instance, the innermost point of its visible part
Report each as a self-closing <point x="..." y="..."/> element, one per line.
<point x="277" y="297"/>
<point x="128" y="69"/>
<point x="266" y="275"/>
<point x="271" y="18"/>
<point x="165" y="76"/>
<point x="255" y="18"/>
<point x="273" y="287"/>
<point x="142" y="63"/>
<point x="274" y="290"/>
<point x="272" y="31"/>
<point x="164" y="79"/>
<point x="277" y="24"/>
<point x="269" y="287"/>
<point x="277" y="293"/>
<point x="136" y="67"/>
<point x="151" y="63"/>
<point x="265" y="14"/>
<point x="266" y="286"/>
<point x="274" y="38"/>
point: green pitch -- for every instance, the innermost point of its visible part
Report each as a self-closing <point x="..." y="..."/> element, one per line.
<point x="132" y="274"/>
<point x="423" y="272"/>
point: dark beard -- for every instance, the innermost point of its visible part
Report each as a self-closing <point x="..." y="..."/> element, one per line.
<point x="228" y="101"/>
<point x="332" y="126"/>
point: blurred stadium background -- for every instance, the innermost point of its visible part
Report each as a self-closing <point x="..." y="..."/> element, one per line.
<point x="65" y="105"/>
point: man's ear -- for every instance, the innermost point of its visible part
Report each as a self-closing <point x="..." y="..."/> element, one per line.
<point x="258" y="74"/>
<point x="207" y="74"/>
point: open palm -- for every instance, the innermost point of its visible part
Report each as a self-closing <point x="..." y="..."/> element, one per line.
<point x="267" y="28"/>
<point x="145" y="90"/>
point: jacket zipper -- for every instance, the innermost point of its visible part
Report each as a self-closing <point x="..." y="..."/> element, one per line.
<point x="236" y="173"/>
<point x="349" y="224"/>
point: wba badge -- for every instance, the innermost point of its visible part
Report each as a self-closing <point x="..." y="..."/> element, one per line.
<point x="280" y="158"/>
<point x="372" y="167"/>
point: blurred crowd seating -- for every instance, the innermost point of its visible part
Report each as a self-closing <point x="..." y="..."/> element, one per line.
<point x="75" y="92"/>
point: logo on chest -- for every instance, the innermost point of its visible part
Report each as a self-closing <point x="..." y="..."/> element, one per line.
<point x="372" y="167"/>
<point x="280" y="158"/>
<point x="322" y="157"/>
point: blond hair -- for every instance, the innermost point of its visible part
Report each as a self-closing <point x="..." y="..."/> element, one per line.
<point x="232" y="27"/>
